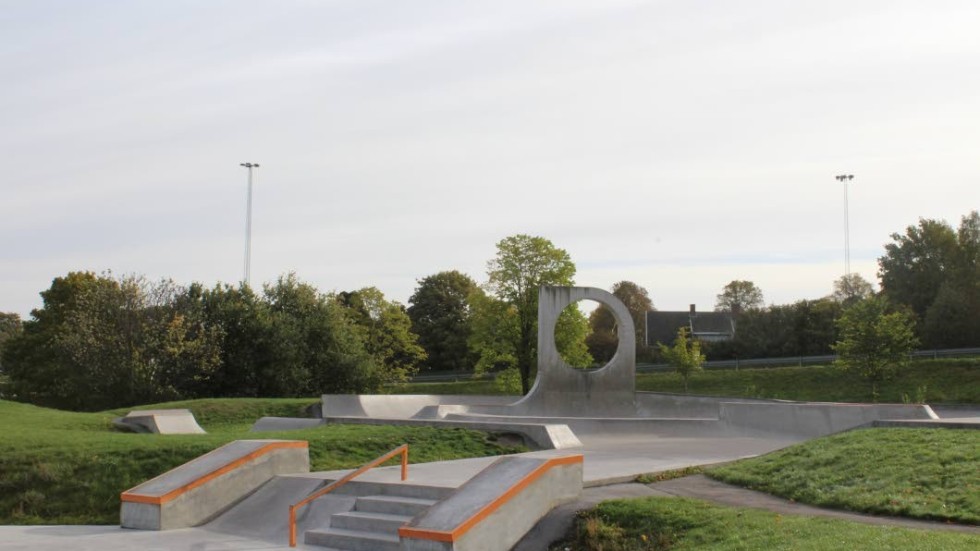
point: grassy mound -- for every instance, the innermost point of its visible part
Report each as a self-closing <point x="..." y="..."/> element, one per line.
<point x="59" y="467"/>
<point x="680" y="524"/>
<point x="918" y="473"/>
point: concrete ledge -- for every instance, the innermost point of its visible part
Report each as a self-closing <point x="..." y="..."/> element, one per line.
<point x="159" y="421"/>
<point x="814" y="419"/>
<point x="200" y="489"/>
<point x="543" y="436"/>
<point x="666" y="404"/>
<point x="496" y="507"/>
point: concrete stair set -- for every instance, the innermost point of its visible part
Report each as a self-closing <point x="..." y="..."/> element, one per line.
<point x="373" y="523"/>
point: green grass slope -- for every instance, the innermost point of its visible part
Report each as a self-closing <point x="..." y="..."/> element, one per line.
<point x="918" y="473"/>
<point x="938" y="381"/>
<point x="679" y="524"/>
<point x="59" y="467"/>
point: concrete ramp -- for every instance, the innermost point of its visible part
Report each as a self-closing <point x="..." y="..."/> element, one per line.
<point x="263" y="514"/>
<point x="400" y="406"/>
<point x="203" y="488"/>
<point x="159" y="421"/>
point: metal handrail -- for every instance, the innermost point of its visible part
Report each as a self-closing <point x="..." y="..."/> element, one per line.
<point x="400" y="450"/>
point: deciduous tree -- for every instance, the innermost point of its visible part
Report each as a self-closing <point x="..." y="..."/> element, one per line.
<point x="522" y="264"/>
<point x="602" y="340"/>
<point x="916" y="265"/>
<point x="684" y="356"/>
<point x="739" y="296"/>
<point x="442" y="318"/>
<point x="101" y="342"/>
<point x="850" y="288"/>
<point x="386" y="331"/>
<point x="10" y="326"/>
<point x="875" y="340"/>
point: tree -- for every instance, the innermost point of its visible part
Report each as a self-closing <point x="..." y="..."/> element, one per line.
<point x="571" y="331"/>
<point x="602" y="340"/>
<point x="523" y="264"/>
<point x="385" y="330"/>
<point x="684" y="356"/>
<point x="875" y="340"/>
<point x="739" y="296"/>
<point x="936" y="272"/>
<point x="917" y="264"/>
<point x="495" y="335"/>
<point x="10" y="327"/>
<point x="102" y="342"/>
<point x="850" y="288"/>
<point x="311" y="345"/>
<point x="441" y="317"/>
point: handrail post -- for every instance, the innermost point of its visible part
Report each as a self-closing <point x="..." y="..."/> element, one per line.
<point x="405" y="463"/>
<point x="292" y="526"/>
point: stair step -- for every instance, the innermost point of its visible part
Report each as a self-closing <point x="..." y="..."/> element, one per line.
<point x="369" y="521"/>
<point x="361" y="488"/>
<point x="352" y="540"/>
<point x="393" y="505"/>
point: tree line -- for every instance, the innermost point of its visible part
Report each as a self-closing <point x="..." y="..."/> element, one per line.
<point x="101" y="341"/>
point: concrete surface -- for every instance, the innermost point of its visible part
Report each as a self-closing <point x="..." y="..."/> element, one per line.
<point x="258" y="522"/>
<point x="505" y="525"/>
<point x="813" y="419"/>
<point x="197" y="491"/>
<point x="560" y="389"/>
<point x="400" y="406"/>
<point x="159" y="421"/>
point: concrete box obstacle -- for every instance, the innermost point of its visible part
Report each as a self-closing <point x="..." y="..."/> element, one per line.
<point x="199" y="490"/>
<point x="497" y="506"/>
<point x="159" y="421"/>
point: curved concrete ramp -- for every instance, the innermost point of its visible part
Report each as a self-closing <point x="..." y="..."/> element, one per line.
<point x="401" y="406"/>
<point x="160" y="421"/>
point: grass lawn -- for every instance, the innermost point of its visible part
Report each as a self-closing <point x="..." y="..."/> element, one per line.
<point x="60" y="467"/>
<point x="937" y="381"/>
<point x="482" y="387"/>
<point x="685" y="524"/>
<point x="918" y="473"/>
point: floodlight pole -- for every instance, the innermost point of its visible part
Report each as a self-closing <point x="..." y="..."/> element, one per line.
<point x="845" y="178"/>
<point x="248" y="224"/>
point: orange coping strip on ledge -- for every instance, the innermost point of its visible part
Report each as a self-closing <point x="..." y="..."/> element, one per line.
<point x="160" y="500"/>
<point x="465" y="526"/>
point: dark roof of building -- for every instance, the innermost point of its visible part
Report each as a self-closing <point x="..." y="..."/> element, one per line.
<point x="663" y="326"/>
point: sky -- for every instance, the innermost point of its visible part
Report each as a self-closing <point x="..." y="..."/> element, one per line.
<point x="676" y="144"/>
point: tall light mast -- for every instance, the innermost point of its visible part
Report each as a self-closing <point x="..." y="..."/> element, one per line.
<point x="248" y="224"/>
<point x="845" y="178"/>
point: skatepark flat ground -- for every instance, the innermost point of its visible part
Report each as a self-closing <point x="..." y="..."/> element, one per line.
<point x="608" y="459"/>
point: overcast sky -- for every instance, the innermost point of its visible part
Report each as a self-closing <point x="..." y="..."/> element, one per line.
<point x="677" y="144"/>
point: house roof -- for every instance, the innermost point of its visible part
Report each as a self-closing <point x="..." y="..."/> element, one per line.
<point x="663" y="326"/>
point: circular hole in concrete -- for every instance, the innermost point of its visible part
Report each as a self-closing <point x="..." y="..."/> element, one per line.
<point x="585" y="335"/>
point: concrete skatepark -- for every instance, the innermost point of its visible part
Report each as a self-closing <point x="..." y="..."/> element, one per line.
<point x="589" y="428"/>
